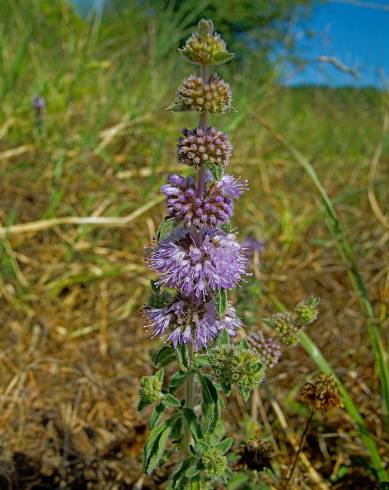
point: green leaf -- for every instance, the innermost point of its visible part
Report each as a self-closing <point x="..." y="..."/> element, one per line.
<point x="193" y="423"/>
<point x="194" y="484"/>
<point x="237" y="480"/>
<point x="178" y="379"/>
<point x="156" y="414"/>
<point x="160" y="374"/>
<point x="210" y="403"/>
<point x="227" y="227"/>
<point x="183" y="356"/>
<point x="244" y="344"/>
<point x="164" y="356"/>
<point x="165" y="228"/>
<point x="143" y="404"/>
<point x="216" y="170"/>
<point x="177" y="429"/>
<point x="201" y="360"/>
<point x="225" y="445"/>
<point x="171" y="401"/>
<point x="193" y="471"/>
<point x="221" y="301"/>
<point x="223" y="338"/>
<point x="202" y="445"/>
<point x="179" y="474"/>
<point x="155" y="445"/>
<point x="226" y="389"/>
<point x="245" y="392"/>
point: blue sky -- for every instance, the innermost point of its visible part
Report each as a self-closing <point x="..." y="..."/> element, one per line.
<point x="352" y="32"/>
<point x="356" y="33"/>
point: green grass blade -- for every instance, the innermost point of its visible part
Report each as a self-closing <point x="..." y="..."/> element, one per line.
<point x="349" y="405"/>
<point x="337" y="231"/>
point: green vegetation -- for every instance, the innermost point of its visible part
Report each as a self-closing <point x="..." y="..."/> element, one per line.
<point x="70" y="290"/>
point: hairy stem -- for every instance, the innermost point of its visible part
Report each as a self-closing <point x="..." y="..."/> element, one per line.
<point x="202" y="125"/>
<point x="300" y="448"/>
<point x="189" y="403"/>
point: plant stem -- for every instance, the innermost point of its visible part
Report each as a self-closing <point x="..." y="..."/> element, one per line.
<point x="300" y="448"/>
<point x="189" y="403"/>
<point x="202" y="125"/>
<point x="201" y="174"/>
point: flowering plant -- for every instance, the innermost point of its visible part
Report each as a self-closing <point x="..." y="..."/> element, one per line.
<point x="198" y="258"/>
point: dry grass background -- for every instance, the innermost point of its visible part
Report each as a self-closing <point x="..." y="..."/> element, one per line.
<point x="72" y="343"/>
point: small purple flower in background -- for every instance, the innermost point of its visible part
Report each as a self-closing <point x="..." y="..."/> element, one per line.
<point x="183" y="322"/>
<point x="38" y="104"/>
<point x="198" y="146"/>
<point x="213" y="209"/>
<point x="252" y="244"/>
<point x="268" y="349"/>
<point x="218" y="263"/>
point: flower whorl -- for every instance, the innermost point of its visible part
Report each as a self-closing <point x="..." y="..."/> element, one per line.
<point x="218" y="263"/>
<point x="268" y="349"/>
<point x="206" y="46"/>
<point x="201" y="146"/>
<point x="213" y="209"/>
<point x="195" y="95"/>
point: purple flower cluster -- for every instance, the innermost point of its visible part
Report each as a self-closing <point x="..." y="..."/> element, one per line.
<point x="201" y="146"/>
<point x="194" y="253"/>
<point x="211" y="210"/>
<point x="184" y="321"/>
<point x="268" y="349"/>
<point x="197" y="270"/>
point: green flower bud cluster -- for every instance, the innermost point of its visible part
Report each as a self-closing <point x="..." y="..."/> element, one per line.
<point x="214" y="462"/>
<point x="288" y="325"/>
<point x="286" y="328"/>
<point x="307" y="310"/>
<point x="150" y="389"/>
<point x="196" y="95"/>
<point x="205" y="46"/>
<point x="235" y="365"/>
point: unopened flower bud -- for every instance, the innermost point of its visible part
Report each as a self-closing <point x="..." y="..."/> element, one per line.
<point x="284" y="325"/>
<point x="150" y="389"/>
<point x="307" y="310"/>
<point x="215" y="463"/>
<point x="202" y="146"/>
<point x="205" y="46"/>
<point x="195" y="95"/>
<point x="268" y="349"/>
<point x="231" y="363"/>
<point x="321" y="393"/>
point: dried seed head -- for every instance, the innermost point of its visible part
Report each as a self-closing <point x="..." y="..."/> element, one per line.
<point x="268" y="349"/>
<point x="195" y="95"/>
<point x="150" y="389"/>
<point x="205" y="46"/>
<point x="284" y="324"/>
<point x="321" y="393"/>
<point x="255" y="455"/>
<point x="307" y="310"/>
<point x="198" y="146"/>
<point x="215" y="463"/>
